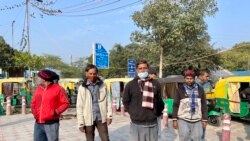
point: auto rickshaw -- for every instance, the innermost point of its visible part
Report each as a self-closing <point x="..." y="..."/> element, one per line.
<point x="115" y="88"/>
<point x="16" y="88"/>
<point x="228" y="96"/>
<point x="168" y="87"/>
<point x="71" y="87"/>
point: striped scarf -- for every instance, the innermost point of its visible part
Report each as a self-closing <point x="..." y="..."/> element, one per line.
<point x="192" y="92"/>
<point x="146" y="87"/>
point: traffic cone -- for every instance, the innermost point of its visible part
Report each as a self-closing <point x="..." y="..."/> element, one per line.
<point x="23" y="105"/>
<point x="226" y="127"/>
<point x="114" y="105"/>
<point x="8" y="106"/>
<point x="165" y="116"/>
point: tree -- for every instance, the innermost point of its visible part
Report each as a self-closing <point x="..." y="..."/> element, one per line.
<point x="29" y="61"/>
<point x="238" y="58"/>
<point x="169" y="24"/>
<point x="6" y="55"/>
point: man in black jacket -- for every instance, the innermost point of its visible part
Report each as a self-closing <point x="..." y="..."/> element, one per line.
<point x="190" y="109"/>
<point x="142" y="100"/>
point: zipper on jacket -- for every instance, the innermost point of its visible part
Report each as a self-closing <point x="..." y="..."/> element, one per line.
<point x="42" y="106"/>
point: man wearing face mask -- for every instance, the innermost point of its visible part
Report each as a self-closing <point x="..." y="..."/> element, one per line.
<point x="189" y="109"/>
<point x="142" y="100"/>
<point x="93" y="106"/>
<point x="48" y="103"/>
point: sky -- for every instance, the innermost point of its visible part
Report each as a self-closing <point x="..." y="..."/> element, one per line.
<point x="67" y="36"/>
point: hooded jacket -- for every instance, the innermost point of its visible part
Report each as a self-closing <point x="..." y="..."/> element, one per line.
<point x="49" y="103"/>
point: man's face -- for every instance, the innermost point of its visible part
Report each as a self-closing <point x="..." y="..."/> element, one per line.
<point x="204" y="77"/>
<point x="40" y="81"/>
<point x="152" y="76"/>
<point x="142" y="68"/>
<point x="189" y="80"/>
<point x="91" y="75"/>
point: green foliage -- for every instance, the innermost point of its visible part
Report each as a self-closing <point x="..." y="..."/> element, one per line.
<point x="179" y="28"/>
<point x="29" y="61"/>
<point x="67" y="71"/>
<point x="238" y="58"/>
<point x="6" y="55"/>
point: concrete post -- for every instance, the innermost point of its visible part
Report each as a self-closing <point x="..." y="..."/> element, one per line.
<point x="23" y="105"/>
<point x="122" y="109"/>
<point x="165" y="116"/>
<point x="114" y="105"/>
<point x="226" y="127"/>
<point x="8" y="106"/>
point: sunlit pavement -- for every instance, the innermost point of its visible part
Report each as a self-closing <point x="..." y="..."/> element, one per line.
<point x="20" y="128"/>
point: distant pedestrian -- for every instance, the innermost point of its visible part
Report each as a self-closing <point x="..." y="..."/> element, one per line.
<point x="203" y="81"/>
<point x="48" y="103"/>
<point x="142" y="100"/>
<point x="153" y="75"/>
<point x="93" y="106"/>
<point x="189" y="109"/>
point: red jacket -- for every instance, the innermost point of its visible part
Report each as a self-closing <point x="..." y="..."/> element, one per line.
<point x="49" y="103"/>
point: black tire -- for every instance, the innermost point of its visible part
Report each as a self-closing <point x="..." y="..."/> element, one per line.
<point x="214" y="120"/>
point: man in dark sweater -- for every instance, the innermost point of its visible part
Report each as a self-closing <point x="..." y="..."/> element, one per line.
<point x="142" y="100"/>
<point x="190" y="109"/>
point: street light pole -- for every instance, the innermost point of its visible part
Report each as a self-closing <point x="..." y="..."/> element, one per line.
<point x="13" y="33"/>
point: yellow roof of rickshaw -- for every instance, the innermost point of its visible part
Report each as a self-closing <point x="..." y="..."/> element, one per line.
<point x="110" y="80"/>
<point x="236" y="79"/>
<point x="18" y="79"/>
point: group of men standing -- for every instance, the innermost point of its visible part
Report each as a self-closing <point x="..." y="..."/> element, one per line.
<point x="141" y="98"/>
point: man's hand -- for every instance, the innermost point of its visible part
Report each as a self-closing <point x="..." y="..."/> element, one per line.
<point x="109" y="121"/>
<point x="82" y="129"/>
<point x="204" y="124"/>
<point x="175" y="124"/>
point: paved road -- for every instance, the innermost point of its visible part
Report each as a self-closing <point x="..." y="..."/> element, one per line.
<point x="20" y="128"/>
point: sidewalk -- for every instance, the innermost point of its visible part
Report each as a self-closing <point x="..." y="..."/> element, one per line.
<point x="20" y="128"/>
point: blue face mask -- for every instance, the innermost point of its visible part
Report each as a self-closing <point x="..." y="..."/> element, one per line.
<point x="143" y="75"/>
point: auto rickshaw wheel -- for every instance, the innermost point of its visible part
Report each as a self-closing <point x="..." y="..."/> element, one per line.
<point x="214" y="120"/>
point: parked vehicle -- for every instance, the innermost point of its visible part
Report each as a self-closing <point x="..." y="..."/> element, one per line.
<point x="228" y="96"/>
<point x="115" y="88"/>
<point x="15" y="88"/>
<point x="168" y="87"/>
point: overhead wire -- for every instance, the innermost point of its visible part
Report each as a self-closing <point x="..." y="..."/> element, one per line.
<point x="78" y="5"/>
<point x="92" y="8"/>
<point x="101" y="12"/>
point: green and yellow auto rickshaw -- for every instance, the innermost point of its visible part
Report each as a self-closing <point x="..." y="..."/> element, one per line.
<point x="15" y="88"/>
<point x="228" y="95"/>
<point x="168" y="88"/>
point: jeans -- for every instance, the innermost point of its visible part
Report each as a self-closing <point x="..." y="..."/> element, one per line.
<point x="143" y="133"/>
<point x="159" y="127"/>
<point x="46" y="132"/>
<point x="203" y="134"/>
<point x="102" y="129"/>
<point x="189" y="130"/>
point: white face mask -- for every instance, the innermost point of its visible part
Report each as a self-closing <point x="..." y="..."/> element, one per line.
<point x="143" y="75"/>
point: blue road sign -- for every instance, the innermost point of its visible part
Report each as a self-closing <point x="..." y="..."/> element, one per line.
<point x="131" y="67"/>
<point x="101" y="57"/>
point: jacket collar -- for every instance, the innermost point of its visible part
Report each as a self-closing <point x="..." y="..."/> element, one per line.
<point x="99" y="82"/>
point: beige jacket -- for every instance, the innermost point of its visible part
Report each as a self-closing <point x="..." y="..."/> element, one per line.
<point x="84" y="106"/>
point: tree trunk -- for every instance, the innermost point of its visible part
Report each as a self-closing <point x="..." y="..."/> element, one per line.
<point x="161" y="62"/>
